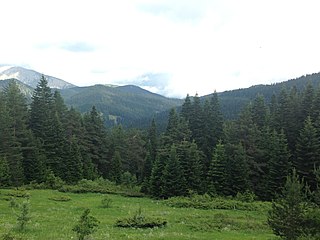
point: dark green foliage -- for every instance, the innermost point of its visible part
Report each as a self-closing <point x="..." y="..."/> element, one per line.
<point x="106" y="201"/>
<point x="138" y="220"/>
<point x="156" y="179"/>
<point x="116" y="166"/>
<point x="217" y="175"/>
<point x="237" y="170"/>
<point x="174" y="183"/>
<point x="208" y="202"/>
<point x="287" y="214"/>
<point x="4" y="172"/>
<point x="279" y="165"/>
<point x="191" y="165"/>
<point x="308" y="155"/>
<point x="86" y="225"/>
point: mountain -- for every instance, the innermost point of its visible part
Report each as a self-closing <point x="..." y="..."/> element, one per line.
<point x="25" y="89"/>
<point x="31" y="77"/>
<point x="128" y="105"/>
<point x="233" y="101"/>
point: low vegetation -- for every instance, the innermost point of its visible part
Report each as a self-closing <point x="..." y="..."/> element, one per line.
<point x="157" y="220"/>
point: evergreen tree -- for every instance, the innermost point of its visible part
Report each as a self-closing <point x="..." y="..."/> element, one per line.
<point x="217" y="175"/>
<point x="95" y="142"/>
<point x="287" y="214"/>
<point x="191" y="166"/>
<point x="308" y="157"/>
<point x="74" y="162"/>
<point x="116" y="168"/>
<point x="238" y="171"/>
<point x="173" y="180"/>
<point x="156" y="179"/>
<point x="4" y="172"/>
<point x="259" y="111"/>
<point x="279" y="165"/>
<point x="186" y="108"/>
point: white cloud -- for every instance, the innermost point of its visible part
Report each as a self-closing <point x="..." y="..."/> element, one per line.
<point x="202" y="45"/>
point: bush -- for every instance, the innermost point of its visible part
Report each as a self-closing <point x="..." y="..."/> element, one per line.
<point x="53" y="182"/>
<point x="86" y="225"/>
<point x="106" y="201"/>
<point x="23" y="216"/>
<point x="60" y="198"/>
<point x="208" y="202"/>
<point x="140" y="221"/>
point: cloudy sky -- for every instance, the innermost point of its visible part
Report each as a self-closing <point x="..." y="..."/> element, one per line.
<point x="172" y="47"/>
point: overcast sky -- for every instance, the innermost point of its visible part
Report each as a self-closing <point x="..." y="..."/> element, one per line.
<point x="172" y="47"/>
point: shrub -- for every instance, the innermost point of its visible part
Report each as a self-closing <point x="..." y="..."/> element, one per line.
<point x="208" y="202"/>
<point x="24" y="215"/>
<point x="86" y="225"/>
<point x="140" y="221"/>
<point x="53" y="182"/>
<point x="106" y="201"/>
<point x="60" y="198"/>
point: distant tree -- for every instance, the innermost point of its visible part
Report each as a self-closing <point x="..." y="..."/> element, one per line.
<point x="116" y="168"/>
<point x="74" y="162"/>
<point x="4" y="172"/>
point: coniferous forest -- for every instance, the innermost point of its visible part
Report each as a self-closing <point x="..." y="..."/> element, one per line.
<point x="198" y="152"/>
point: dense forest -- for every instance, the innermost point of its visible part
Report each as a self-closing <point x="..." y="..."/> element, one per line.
<point x="198" y="152"/>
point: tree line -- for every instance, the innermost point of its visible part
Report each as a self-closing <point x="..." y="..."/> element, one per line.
<point x="198" y="152"/>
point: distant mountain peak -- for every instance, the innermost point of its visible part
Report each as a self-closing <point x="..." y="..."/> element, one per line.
<point x="31" y="77"/>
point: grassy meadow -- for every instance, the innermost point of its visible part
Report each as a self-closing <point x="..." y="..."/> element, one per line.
<point x="51" y="219"/>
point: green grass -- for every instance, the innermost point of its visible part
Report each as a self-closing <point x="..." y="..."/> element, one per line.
<point x="55" y="219"/>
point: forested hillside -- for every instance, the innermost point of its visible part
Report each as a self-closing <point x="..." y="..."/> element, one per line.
<point x="125" y="105"/>
<point x="233" y="101"/>
<point x="199" y="150"/>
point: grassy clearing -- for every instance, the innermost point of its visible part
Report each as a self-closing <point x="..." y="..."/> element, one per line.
<point x="51" y="219"/>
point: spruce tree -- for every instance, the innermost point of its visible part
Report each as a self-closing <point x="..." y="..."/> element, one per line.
<point x="217" y="175"/>
<point x="238" y="171"/>
<point x="4" y="172"/>
<point x="174" y="183"/>
<point x="191" y="165"/>
<point x="74" y="164"/>
<point x="308" y="156"/>
<point x="279" y="157"/>
<point x="287" y="214"/>
<point x="116" y="168"/>
<point x="156" y="179"/>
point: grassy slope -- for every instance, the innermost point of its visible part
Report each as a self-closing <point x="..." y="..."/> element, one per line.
<point x="54" y="220"/>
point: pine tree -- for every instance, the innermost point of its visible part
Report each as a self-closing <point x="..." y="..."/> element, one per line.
<point x="186" y="108"/>
<point x="116" y="168"/>
<point x="238" y="171"/>
<point x="191" y="165"/>
<point x="95" y="142"/>
<point x="74" y="165"/>
<point x="259" y="111"/>
<point x="308" y="157"/>
<point x="217" y="175"/>
<point x="173" y="180"/>
<point x="156" y="179"/>
<point x="287" y="214"/>
<point x="4" y="172"/>
<point x="279" y="165"/>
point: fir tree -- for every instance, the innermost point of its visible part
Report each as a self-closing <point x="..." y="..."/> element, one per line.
<point x="116" y="168"/>
<point x="279" y="165"/>
<point x="308" y="157"/>
<point x="4" y="172"/>
<point x="173" y="180"/>
<point x="217" y="175"/>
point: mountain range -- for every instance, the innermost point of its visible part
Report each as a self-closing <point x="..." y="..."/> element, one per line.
<point x="133" y="106"/>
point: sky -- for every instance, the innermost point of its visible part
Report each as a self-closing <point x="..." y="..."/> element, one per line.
<point x="171" y="47"/>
